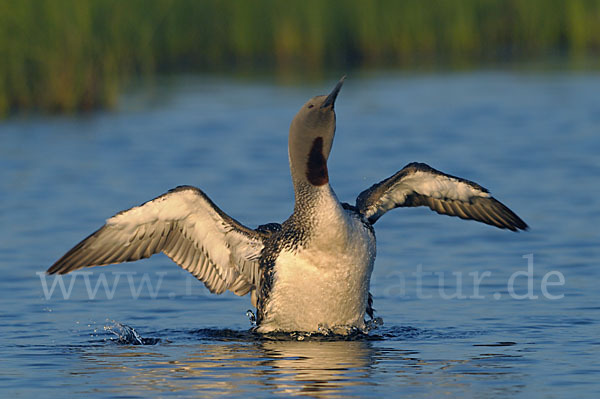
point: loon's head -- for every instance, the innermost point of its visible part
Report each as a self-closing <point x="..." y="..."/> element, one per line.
<point x="311" y="136"/>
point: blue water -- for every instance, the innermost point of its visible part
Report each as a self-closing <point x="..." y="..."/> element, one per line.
<point x="468" y="310"/>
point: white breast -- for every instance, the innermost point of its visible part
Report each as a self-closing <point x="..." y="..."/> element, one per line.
<point x="326" y="282"/>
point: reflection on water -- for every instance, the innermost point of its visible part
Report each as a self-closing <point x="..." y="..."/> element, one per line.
<point x="228" y="359"/>
<point x="318" y="367"/>
<point x="244" y="362"/>
<point x="227" y="362"/>
<point x="287" y="367"/>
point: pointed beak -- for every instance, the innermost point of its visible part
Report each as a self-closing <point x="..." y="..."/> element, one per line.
<point x="330" y="100"/>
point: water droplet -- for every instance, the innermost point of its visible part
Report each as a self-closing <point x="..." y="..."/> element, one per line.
<point x="252" y="317"/>
<point x="125" y="334"/>
<point x="373" y="324"/>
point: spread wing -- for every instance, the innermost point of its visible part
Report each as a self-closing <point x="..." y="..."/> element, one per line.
<point x="418" y="184"/>
<point x="189" y="228"/>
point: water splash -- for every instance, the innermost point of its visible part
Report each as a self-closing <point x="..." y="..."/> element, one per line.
<point x="128" y="336"/>
<point x="373" y="324"/>
<point x="252" y="317"/>
<point x="342" y="332"/>
<point x="374" y="330"/>
<point x="334" y="333"/>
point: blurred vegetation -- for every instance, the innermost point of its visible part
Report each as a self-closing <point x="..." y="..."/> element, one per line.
<point x="72" y="55"/>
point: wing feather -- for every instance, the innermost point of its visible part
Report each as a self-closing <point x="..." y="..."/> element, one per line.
<point x="189" y="228"/>
<point x="418" y="184"/>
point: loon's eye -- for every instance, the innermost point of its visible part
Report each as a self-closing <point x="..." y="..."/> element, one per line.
<point x="311" y="105"/>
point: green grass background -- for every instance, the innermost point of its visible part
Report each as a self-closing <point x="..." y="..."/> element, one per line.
<point x="74" y="55"/>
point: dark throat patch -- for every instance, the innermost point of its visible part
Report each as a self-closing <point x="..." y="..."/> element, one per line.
<point x="316" y="171"/>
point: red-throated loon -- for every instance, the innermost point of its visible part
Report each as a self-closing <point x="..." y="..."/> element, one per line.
<point x="310" y="272"/>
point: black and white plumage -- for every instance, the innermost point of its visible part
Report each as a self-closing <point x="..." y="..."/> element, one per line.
<point x="313" y="270"/>
<point x="418" y="184"/>
<point x="189" y="228"/>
